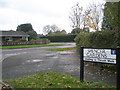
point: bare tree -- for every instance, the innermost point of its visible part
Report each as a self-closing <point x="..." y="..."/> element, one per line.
<point x="55" y="28"/>
<point x="47" y="29"/>
<point x="86" y="20"/>
<point x="50" y="29"/>
<point x="94" y="15"/>
<point x="76" y="16"/>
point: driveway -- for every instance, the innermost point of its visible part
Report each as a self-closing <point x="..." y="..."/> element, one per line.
<point x="21" y="62"/>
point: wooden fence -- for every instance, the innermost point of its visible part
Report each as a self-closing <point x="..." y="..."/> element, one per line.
<point x="45" y="41"/>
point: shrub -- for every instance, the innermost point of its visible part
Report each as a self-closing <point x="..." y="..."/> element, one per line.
<point x="103" y="39"/>
<point x="82" y="39"/>
<point x="61" y="38"/>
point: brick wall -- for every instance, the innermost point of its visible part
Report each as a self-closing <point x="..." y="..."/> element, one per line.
<point x="44" y="41"/>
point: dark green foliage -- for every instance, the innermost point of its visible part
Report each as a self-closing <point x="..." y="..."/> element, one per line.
<point x="76" y="31"/>
<point x="82" y="39"/>
<point x="111" y="15"/>
<point x="27" y="28"/>
<point x="106" y="24"/>
<point x="111" y="20"/>
<point x="33" y="35"/>
<point x="61" y="38"/>
<point x="104" y="39"/>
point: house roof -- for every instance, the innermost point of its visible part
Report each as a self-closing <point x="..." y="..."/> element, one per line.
<point x="13" y="33"/>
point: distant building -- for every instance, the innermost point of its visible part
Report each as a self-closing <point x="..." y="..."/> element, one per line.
<point x="8" y="36"/>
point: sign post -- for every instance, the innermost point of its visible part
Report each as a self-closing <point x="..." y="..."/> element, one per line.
<point x="118" y="67"/>
<point x="100" y="55"/>
<point x="81" y="64"/>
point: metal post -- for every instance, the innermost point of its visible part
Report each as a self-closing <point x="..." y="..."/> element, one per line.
<point x="118" y="67"/>
<point x="81" y="64"/>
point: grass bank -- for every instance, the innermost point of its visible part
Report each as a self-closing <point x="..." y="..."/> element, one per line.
<point x="28" y="46"/>
<point x="53" y="80"/>
<point x="62" y="49"/>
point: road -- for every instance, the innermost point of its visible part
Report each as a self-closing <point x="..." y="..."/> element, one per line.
<point x="26" y="61"/>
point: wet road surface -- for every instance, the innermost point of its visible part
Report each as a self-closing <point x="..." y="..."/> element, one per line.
<point x="21" y="62"/>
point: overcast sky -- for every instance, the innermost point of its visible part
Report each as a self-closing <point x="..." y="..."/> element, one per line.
<point x="38" y="12"/>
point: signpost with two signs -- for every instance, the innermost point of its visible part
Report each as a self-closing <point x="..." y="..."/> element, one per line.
<point x="100" y="55"/>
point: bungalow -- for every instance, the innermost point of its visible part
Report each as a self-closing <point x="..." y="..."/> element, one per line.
<point x="8" y="36"/>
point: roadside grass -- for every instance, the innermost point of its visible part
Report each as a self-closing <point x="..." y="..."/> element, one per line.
<point x="62" y="49"/>
<point x="53" y="80"/>
<point x="28" y="46"/>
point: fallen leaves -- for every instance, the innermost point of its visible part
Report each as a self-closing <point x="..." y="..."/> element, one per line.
<point x="76" y="81"/>
<point x="66" y="86"/>
<point x="47" y="81"/>
<point x="50" y="84"/>
<point x="59" y="83"/>
<point x="64" y="77"/>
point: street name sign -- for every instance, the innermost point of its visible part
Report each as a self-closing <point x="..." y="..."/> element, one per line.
<point x="99" y="55"/>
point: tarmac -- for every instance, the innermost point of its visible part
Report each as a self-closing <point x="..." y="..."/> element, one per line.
<point x="26" y="61"/>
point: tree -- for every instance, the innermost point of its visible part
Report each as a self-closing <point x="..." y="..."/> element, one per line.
<point x="50" y="29"/>
<point x="90" y="18"/>
<point x="106" y="24"/>
<point x="55" y="28"/>
<point x="27" y="28"/>
<point x="33" y="35"/>
<point x="76" y="31"/>
<point x="63" y="32"/>
<point x="76" y="16"/>
<point x="47" y="29"/>
<point x="111" y="16"/>
<point x="93" y="15"/>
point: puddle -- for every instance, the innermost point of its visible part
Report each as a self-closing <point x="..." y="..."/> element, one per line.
<point x="12" y="49"/>
<point x="11" y="54"/>
<point x="36" y="60"/>
<point x="65" y="52"/>
<point x="55" y="57"/>
<point x="50" y="55"/>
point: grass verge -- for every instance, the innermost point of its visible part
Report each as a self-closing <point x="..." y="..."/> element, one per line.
<point x="62" y="49"/>
<point x="28" y="46"/>
<point x="53" y="80"/>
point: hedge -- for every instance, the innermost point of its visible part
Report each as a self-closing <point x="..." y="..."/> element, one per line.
<point x="61" y="38"/>
<point x="102" y="39"/>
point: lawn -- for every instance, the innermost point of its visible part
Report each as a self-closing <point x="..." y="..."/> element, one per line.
<point x="62" y="49"/>
<point x="28" y="46"/>
<point x="54" y="80"/>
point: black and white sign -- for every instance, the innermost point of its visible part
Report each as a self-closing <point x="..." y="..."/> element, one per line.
<point x="100" y="55"/>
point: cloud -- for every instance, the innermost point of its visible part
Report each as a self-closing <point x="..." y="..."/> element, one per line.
<point x="3" y="3"/>
<point x="37" y="12"/>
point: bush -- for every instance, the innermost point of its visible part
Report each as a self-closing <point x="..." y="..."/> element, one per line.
<point x="82" y="39"/>
<point x="102" y="39"/>
<point x="61" y="38"/>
